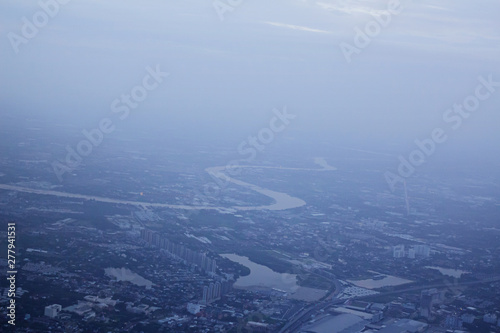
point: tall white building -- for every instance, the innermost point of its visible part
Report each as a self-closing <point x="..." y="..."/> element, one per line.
<point x="210" y="292"/>
<point x="422" y="250"/>
<point x="52" y="310"/>
<point x="399" y="251"/>
<point x="217" y="291"/>
<point x="205" y="299"/>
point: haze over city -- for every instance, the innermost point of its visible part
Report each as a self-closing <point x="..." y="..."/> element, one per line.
<point x="248" y="166"/>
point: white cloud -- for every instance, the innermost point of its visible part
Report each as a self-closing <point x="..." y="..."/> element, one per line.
<point x="350" y="8"/>
<point x="297" y="27"/>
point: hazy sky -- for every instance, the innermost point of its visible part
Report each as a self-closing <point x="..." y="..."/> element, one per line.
<point x="228" y="75"/>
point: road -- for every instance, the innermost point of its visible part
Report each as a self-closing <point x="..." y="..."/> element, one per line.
<point x="305" y="314"/>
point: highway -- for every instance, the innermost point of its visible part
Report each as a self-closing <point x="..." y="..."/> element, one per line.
<point x="314" y="309"/>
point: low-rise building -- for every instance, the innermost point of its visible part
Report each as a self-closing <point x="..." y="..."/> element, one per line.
<point x="52" y="310"/>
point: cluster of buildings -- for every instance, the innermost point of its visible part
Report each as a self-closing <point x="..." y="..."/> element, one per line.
<point x="211" y="293"/>
<point x="180" y="251"/>
<point x="428" y="298"/>
<point x="423" y="251"/>
<point x="191" y="291"/>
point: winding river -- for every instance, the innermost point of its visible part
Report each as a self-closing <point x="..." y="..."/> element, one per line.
<point x="282" y="200"/>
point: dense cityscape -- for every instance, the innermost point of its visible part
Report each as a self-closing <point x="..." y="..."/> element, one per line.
<point x="237" y="166"/>
<point x="370" y="262"/>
